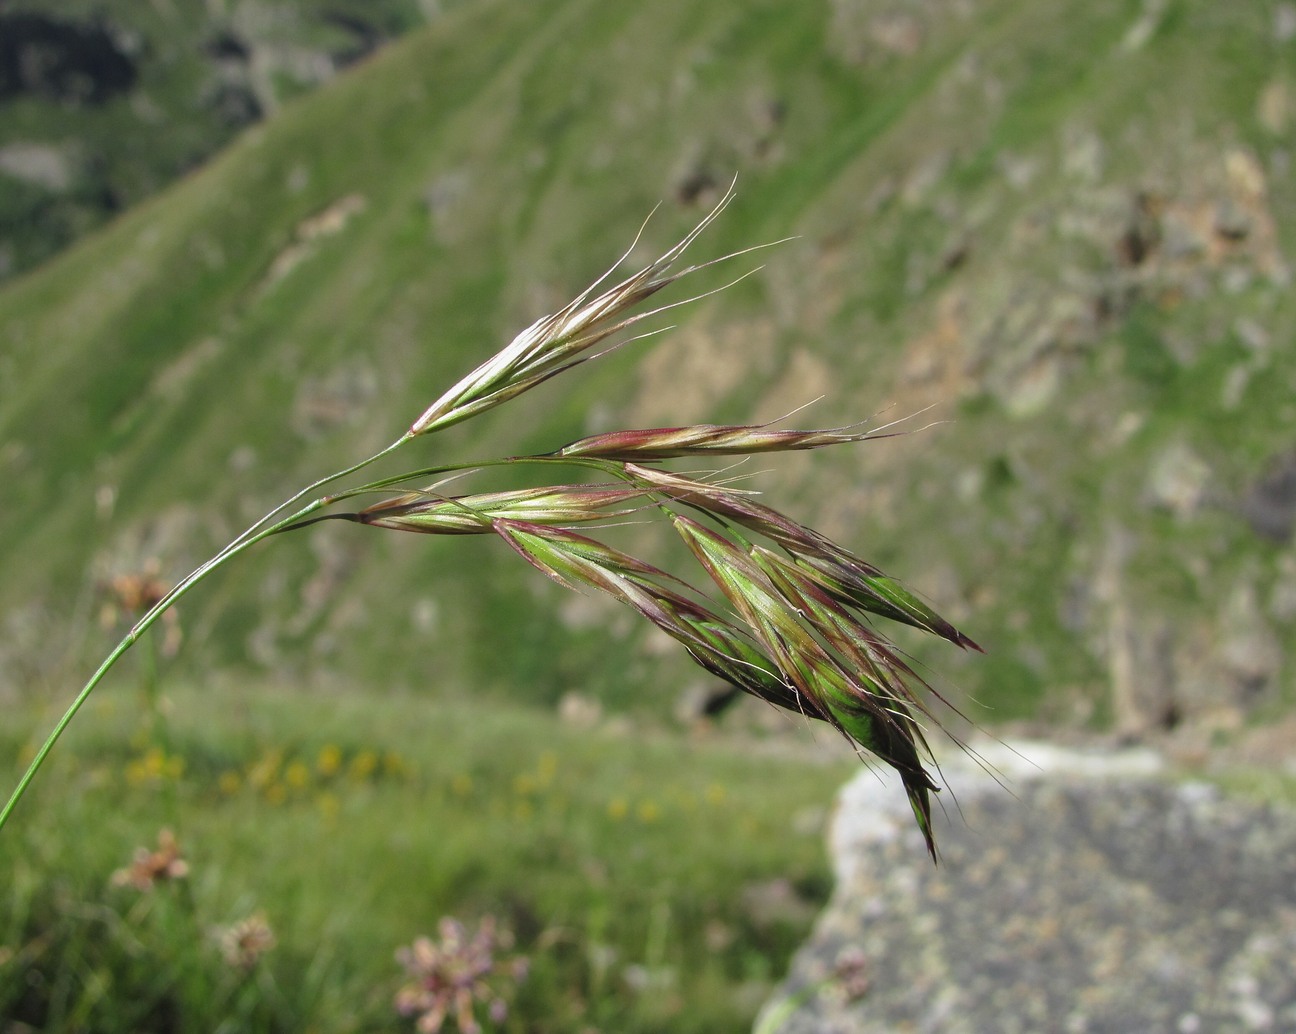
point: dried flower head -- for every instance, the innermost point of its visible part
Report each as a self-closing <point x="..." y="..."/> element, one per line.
<point x="450" y="977"/>
<point x="150" y="867"/>
<point x="243" y="943"/>
<point x="850" y="973"/>
<point x="134" y="592"/>
<point x="130" y="594"/>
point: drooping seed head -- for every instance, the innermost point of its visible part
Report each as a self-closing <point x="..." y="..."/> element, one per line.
<point x="873" y="715"/>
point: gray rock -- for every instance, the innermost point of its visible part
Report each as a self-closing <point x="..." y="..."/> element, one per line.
<point x="1270" y="504"/>
<point x="1097" y="895"/>
<point x="1178" y="480"/>
<point x="52" y="166"/>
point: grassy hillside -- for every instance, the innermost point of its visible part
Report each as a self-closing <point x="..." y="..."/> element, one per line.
<point x="102" y="105"/>
<point x="1066" y="229"/>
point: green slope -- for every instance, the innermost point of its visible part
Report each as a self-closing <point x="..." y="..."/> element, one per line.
<point x="1065" y="227"/>
<point x="103" y="105"/>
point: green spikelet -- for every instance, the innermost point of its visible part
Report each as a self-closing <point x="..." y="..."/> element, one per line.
<point x="894" y="737"/>
<point x="775" y="600"/>
<point x="870" y="700"/>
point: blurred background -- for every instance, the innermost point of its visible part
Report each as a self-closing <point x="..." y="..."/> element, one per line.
<point x="243" y="243"/>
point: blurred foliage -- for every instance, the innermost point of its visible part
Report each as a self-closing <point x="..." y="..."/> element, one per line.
<point x="654" y="884"/>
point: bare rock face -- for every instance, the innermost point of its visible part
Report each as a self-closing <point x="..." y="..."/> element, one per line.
<point x="1097" y="895"/>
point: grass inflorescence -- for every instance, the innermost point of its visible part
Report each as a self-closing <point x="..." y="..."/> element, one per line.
<point x="798" y="629"/>
<point x="771" y="607"/>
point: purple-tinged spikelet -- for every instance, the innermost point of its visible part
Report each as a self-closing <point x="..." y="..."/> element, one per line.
<point x="659" y="443"/>
<point x="433" y="514"/>
<point x="871" y="712"/>
<point x="845" y="575"/>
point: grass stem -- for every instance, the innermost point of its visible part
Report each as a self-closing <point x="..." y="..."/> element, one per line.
<point x="248" y="538"/>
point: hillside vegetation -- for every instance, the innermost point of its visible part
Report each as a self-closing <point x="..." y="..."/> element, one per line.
<point x="102" y="105"/>
<point x="1064" y="228"/>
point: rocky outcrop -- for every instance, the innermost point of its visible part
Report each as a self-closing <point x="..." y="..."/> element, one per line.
<point x="1076" y="893"/>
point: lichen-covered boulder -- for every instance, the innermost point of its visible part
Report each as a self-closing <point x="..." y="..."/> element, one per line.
<point x="1078" y="893"/>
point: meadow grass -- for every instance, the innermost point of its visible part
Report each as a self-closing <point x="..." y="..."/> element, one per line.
<point x="656" y="882"/>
